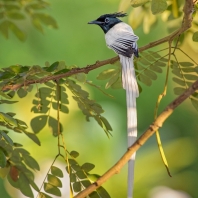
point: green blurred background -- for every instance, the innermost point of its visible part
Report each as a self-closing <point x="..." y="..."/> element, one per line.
<point x="80" y="44"/>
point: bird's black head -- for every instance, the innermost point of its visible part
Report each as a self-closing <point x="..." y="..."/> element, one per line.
<point x="107" y="21"/>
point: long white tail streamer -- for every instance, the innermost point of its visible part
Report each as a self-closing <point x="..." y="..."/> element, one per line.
<point x="130" y="85"/>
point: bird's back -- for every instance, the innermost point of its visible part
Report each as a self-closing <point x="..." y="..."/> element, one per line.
<point x="121" y="39"/>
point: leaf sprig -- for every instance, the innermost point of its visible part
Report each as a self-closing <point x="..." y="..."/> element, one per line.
<point x="13" y="12"/>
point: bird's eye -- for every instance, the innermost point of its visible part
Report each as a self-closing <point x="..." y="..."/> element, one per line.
<point x="106" y="20"/>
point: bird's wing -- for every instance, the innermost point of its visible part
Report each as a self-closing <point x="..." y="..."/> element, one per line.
<point x="122" y="40"/>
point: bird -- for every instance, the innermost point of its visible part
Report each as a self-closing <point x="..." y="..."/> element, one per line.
<point x="121" y="39"/>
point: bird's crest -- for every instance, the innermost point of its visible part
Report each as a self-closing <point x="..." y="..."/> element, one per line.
<point x="114" y="15"/>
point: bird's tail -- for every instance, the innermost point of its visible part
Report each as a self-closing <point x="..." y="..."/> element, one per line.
<point x="130" y="84"/>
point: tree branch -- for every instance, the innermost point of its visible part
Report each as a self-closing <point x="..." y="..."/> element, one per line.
<point x="186" y="24"/>
<point x="140" y="141"/>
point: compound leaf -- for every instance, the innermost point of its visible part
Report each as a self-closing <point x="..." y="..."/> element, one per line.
<point x="56" y="171"/>
<point x="49" y="188"/>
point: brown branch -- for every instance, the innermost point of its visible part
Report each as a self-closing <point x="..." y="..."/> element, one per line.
<point x="186" y="24"/>
<point x="73" y="71"/>
<point x="140" y="141"/>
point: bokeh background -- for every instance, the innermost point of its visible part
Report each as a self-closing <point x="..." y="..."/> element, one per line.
<point x="78" y="43"/>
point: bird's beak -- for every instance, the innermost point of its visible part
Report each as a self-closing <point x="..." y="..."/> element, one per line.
<point x="95" y="22"/>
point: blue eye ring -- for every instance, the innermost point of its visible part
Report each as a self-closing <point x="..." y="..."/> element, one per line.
<point x="106" y="20"/>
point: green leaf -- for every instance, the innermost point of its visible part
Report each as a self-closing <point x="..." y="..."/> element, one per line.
<point x="22" y="123"/>
<point x="93" y="177"/>
<point x="77" y="186"/>
<point x="11" y="94"/>
<point x="11" y="7"/>
<point x="3" y="160"/>
<point x="4" y="27"/>
<point x="43" y="195"/>
<point x="137" y="3"/>
<point x="4" y="171"/>
<point x="139" y="66"/>
<point x="24" y="185"/>
<point x="144" y="79"/>
<point x="56" y="171"/>
<point x="37" y="6"/>
<point x="5" y="96"/>
<point x="81" y="77"/>
<point x="188" y="69"/>
<point x="102" y="192"/>
<point x="8" y="149"/>
<point x="194" y="103"/>
<point x="179" y="90"/>
<point x="37" y="24"/>
<point x="87" y="167"/>
<point x="38" y="123"/>
<point x="160" y="63"/>
<point x="106" y="74"/>
<point x="106" y="123"/>
<point x="177" y="73"/>
<point x="33" y="137"/>
<point x="55" y="181"/>
<point x="86" y="183"/>
<point x="53" y="125"/>
<point x="76" y="167"/>
<point x="6" y="75"/>
<point x="74" y="154"/>
<point x="64" y="108"/>
<point x="195" y="94"/>
<point x="143" y="61"/>
<point x="34" y="185"/>
<point x="150" y="74"/>
<point x="117" y="84"/>
<point x="186" y="64"/>
<point x="154" y="54"/>
<point x="52" y="189"/>
<point x="158" y="6"/>
<point x="7" y="138"/>
<point x="174" y="64"/>
<point x="45" y="19"/>
<point x="31" y="162"/>
<point x="18" y="33"/>
<point x="62" y="71"/>
<point x="72" y="177"/>
<point x="155" y="68"/>
<point x="147" y="56"/>
<point x="43" y="109"/>
<point x="94" y="194"/>
<point x="196" y="69"/>
<point x="72" y="161"/>
<point x="179" y="81"/>
<point x="53" y="67"/>
<point x="15" y="15"/>
<point x="17" y="144"/>
<point x="64" y="98"/>
<point x="21" y="92"/>
<point x="6" y="101"/>
<point x="195" y="36"/>
<point x="112" y="80"/>
<point x="22" y="151"/>
<point x="50" y="84"/>
<point x="81" y="174"/>
<point x="8" y="119"/>
<point x="191" y="77"/>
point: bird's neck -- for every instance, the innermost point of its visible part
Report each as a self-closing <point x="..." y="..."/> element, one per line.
<point x="107" y="27"/>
